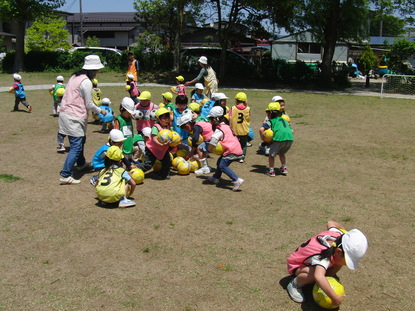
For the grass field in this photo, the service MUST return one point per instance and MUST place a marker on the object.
(189, 245)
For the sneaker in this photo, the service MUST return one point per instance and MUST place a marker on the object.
(126, 203)
(93, 180)
(266, 151)
(248, 144)
(203, 170)
(237, 184)
(61, 148)
(213, 180)
(69, 180)
(87, 166)
(241, 160)
(29, 108)
(270, 172)
(295, 293)
(283, 171)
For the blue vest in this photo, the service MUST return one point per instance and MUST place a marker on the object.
(183, 134)
(98, 163)
(206, 108)
(19, 92)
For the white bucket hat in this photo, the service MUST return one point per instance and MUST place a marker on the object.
(219, 96)
(277, 98)
(146, 131)
(354, 246)
(116, 136)
(128, 104)
(92, 62)
(59, 78)
(216, 112)
(203, 60)
(17, 77)
(199, 86)
(185, 118)
(106, 101)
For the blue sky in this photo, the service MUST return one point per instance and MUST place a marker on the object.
(72, 6)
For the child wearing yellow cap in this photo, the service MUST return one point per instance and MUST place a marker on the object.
(114, 182)
(180, 89)
(240, 121)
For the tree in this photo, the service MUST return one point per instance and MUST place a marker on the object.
(399, 53)
(386, 25)
(47, 34)
(367, 61)
(329, 21)
(21, 12)
(92, 41)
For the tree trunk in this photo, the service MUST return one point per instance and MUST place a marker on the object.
(178, 38)
(18, 65)
(367, 80)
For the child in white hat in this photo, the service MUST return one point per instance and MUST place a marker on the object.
(19, 93)
(197, 94)
(324, 255)
(52, 90)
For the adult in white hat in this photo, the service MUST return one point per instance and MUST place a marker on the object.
(73, 116)
(207, 75)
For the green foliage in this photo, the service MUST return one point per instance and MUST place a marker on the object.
(367, 60)
(392, 26)
(25, 10)
(9, 178)
(398, 56)
(47, 34)
(92, 41)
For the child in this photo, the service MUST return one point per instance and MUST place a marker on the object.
(198, 95)
(230, 144)
(156, 150)
(240, 115)
(19, 93)
(116, 138)
(52, 91)
(96, 97)
(145, 106)
(124, 123)
(181, 105)
(282, 139)
(197, 112)
(109, 117)
(132, 88)
(167, 98)
(220, 100)
(200, 127)
(180, 89)
(324, 255)
(114, 183)
(206, 105)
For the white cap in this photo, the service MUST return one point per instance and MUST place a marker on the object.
(199, 86)
(277, 98)
(146, 131)
(128, 104)
(116, 136)
(59, 78)
(354, 246)
(216, 112)
(17, 77)
(185, 118)
(219, 96)
(92, 62)
(203, 60)
(130, 76)
(106, 101)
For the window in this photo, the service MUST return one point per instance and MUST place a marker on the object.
(308, 48)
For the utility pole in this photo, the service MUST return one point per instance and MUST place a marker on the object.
(81, 25)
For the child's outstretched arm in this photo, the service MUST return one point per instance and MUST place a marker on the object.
(320, 276)
(333, 224)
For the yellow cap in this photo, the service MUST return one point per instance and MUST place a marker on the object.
(241, 97)
(168, 96)
(180, 78)
(273, 106)
(94, 81)
(145, 95)
(194, 107)
(114, 153)
(161, 111)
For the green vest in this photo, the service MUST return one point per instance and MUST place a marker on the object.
(126, 127)
(57, 86)
(282, 130)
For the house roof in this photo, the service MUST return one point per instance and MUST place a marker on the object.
(119, 29)
(387, 40)
(6, 34)
(104, 17)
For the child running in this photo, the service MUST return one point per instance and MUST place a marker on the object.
(232, 148)
(114, 183)
(281, 141)
(240, 115)
(180, 89)
(324, 255)
(19, 93)
(52, 90)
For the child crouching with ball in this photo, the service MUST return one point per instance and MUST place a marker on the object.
(114, 183)
(324, 255)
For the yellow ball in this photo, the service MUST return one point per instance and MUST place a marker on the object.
(164, 135)
(218, 149)
(182, 153)
(286, 118)
(161, 105)
(175, 139)
(194, 165)
(183, 168)
(268, 135)
(11, 90)
(321, 298)
(189, 140)
(176, 162)
(173, 88)
(138, 175)
(157, 166)
(127, 87)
